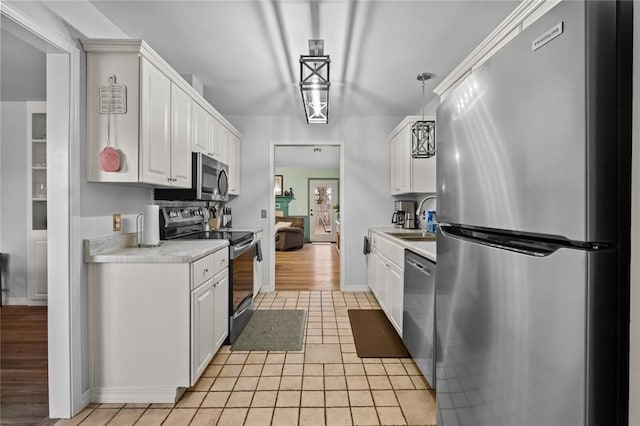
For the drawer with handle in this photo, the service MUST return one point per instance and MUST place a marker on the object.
(221, 260)
(202, 270)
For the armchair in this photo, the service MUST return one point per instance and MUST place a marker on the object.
(289, 233)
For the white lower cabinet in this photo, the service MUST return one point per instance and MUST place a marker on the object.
(209, 309)
(209, 321)
(154, 327)
(386, 278)
(202, 328)
(395, 294)
(38, 268)
(371, 272)
(220, 308)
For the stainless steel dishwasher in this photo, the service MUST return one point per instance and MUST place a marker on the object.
(418, 316)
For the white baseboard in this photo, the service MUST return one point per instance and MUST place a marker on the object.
(356, 289)
(141, 395)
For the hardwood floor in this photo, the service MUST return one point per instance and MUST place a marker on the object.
(24, 394)
(313, 267)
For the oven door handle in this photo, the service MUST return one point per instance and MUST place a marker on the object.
(241, 249)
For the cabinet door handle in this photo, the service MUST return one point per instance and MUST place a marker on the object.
(204, 271)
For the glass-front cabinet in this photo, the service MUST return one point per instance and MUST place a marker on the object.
(39, 170)
(37, 201)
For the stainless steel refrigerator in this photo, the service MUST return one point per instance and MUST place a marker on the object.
(532, 286)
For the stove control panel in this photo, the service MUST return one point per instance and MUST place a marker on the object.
(181, 216)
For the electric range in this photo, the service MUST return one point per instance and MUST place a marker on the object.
(188, 223)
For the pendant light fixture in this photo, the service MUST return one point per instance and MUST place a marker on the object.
(423, 132)
(314, 83)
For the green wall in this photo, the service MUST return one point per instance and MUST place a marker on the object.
(297, 178)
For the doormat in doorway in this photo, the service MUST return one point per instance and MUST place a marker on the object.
(272, 330)
(374, 335)
(321, 243)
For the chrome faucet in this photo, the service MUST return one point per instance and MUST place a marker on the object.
(421, 203)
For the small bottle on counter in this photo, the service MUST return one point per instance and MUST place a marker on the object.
(432, 225)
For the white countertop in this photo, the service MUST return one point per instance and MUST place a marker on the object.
(423, 248)
(122, 249)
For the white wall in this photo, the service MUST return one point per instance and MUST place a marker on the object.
(13, 187)
(430, 107)
(366, 201)
(634, 356)
(22, 70)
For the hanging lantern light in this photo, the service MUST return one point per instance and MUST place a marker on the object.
(423, 132)
(314, 83)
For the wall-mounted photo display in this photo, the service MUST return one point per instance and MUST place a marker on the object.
(278, 185)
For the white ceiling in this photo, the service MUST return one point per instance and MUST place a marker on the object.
(246, 52)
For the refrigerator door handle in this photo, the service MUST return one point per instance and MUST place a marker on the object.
(519, 242)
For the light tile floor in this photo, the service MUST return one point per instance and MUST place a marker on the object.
(324, 383)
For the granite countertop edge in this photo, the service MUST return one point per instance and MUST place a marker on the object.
(122, 249)
(426, 249)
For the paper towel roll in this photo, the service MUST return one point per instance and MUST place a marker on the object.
(151, 225)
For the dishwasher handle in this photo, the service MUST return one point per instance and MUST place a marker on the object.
(366, 246)
(425, 270)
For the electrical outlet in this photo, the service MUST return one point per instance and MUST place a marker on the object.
(263, 214)
(117, 222)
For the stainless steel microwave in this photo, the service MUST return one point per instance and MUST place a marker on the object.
(209, 182)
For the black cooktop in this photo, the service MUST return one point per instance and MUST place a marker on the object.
(234, 237)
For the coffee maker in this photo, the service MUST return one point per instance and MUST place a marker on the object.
(404, 215)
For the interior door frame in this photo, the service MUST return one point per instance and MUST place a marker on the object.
(272, 204)
(336, 182)
(66, 396)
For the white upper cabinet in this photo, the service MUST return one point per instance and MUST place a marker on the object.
(216, 137)
(180, 138)
(233, 160)
(200, 126)
(141, 107)
(400, 164)
(155, 124)
(409, 175)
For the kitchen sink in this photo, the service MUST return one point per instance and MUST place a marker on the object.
(413, 236)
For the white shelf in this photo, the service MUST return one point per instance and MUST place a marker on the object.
(39, 167)
(39, 199)
(39, 140)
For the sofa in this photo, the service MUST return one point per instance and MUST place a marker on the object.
(289, 233)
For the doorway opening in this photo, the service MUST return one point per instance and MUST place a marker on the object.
(23, 226)
(307, 194)
(62, 329)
